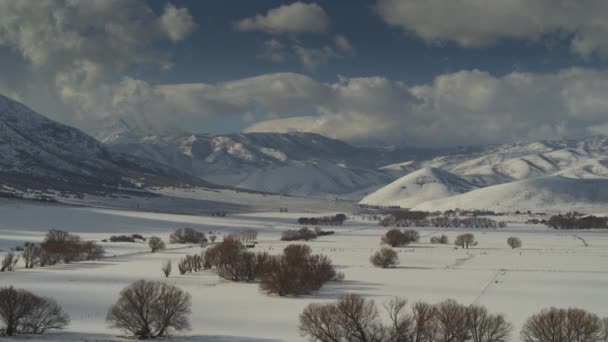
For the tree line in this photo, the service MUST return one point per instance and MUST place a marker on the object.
(355, 319)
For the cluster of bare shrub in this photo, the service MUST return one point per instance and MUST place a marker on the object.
(149, 309)
(187, 235)
(232, 261)
(399, 238)
(442, 240)
(355, 319)
(336, 220)
(574, 221)
(22, 312)
(60, 246)
(156, 244)
(190, 263)
(125, 238)
(305, 234)
(385, 258)
(297, 271)
(465, 240)
(9, 262)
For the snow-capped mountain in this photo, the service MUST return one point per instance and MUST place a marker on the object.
(505, 163)
(419, 186)
(550, 194)
(303, 164)
(524, 175)
(38, 153)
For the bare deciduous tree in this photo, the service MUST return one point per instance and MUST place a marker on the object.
(514, 242)
(22, 312)
(149, 309)
(563, 325)
(465, 240)
(486, 327)
(155, 243)
(385, 257)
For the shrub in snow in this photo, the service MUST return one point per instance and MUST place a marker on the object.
(60, 246)
(187, 235)
(166, 268)
(9, 262)
(300, 234)
(155, 243)
(22, 312)
(465, 240)
(385, 257)
(514, 242)
(297, 271)
(398, 238)
(148, 309)
(353, 318)
(566, 325)
(443, 239)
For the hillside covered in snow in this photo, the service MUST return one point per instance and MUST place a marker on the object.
(41, 154)
(419, 186)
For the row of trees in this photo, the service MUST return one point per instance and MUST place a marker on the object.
(304, 233)
(443, 222)
(336, 220)
(571, 221)
(60, 246)
(355, 319)
(294, 272)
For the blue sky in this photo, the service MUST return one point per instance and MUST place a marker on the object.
(427, 73)
(217, 52)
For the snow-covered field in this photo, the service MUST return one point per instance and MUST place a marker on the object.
(554, 268)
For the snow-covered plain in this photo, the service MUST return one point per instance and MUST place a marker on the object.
(554, 268)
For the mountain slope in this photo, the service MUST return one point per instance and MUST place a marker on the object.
(304, 164)
(552, 193)
(417, 187)
(38, 153)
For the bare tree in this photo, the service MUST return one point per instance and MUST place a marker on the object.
(562, 325)
(411, 236)
(9, 262)
(22, 312)
(486, 327)
(31, 255)
(155, 243)
(514, 242)
(452, 319)
(166, 268)
(212, 238)
(465, 240)
(425, 325)
(149, 309)
(385, 257)
(296, 272)
(394, 238)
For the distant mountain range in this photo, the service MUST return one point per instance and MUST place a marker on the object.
(43, 155)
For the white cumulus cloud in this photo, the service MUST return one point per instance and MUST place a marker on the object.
(298, 17)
